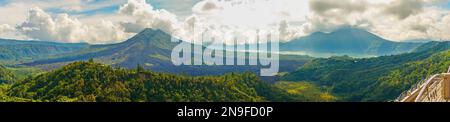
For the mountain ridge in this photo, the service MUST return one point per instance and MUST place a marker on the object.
(23, 50)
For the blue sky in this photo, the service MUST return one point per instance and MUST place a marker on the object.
(448, 5)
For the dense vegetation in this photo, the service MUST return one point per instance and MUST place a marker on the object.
(5, 98)
(374, 79)
(6, 76)
(304, 91)
(12, 74)
(401, 79)
(89, 81)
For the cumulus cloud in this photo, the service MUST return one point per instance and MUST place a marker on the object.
(431, 24)
(42, 26)
(287, 32)
(146, 17)
(9, 32)
(136, 8)
(206, 6)
(6, 28)
(404, 8)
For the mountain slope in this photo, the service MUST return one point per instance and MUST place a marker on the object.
(15, 50)
(348, 41)
(6, 75)
(358, 79)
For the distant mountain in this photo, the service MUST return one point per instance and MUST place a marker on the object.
(139, 49)
(347, 41)
(16, 50)
(148, 48)
(433, 46)
(152, 49)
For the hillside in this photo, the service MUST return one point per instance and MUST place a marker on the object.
(347, 41)
(5, 98)
(374, 79)
(17, 50)
(89, 81)
(401, 79)
(6, 75)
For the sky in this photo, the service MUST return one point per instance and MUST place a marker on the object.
(112, 21)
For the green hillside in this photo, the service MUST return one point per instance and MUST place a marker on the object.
(6, 75)
(12, 74)
(304, 91)
(20, 51)
(89, 81)
(401, 79)
(5, 98)
(374, 79)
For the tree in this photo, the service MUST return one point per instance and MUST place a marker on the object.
(139, 68)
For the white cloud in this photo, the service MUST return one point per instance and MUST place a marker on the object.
(251, 13)
(404, 8)
(431, 24)
(9, 32)
(42, 26)
(206, 6)
(144, 16)
(244, 16)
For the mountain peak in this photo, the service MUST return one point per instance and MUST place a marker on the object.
(154, 37)
(356, 32)
(350, 30)
(151, 31)
(349, 41)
